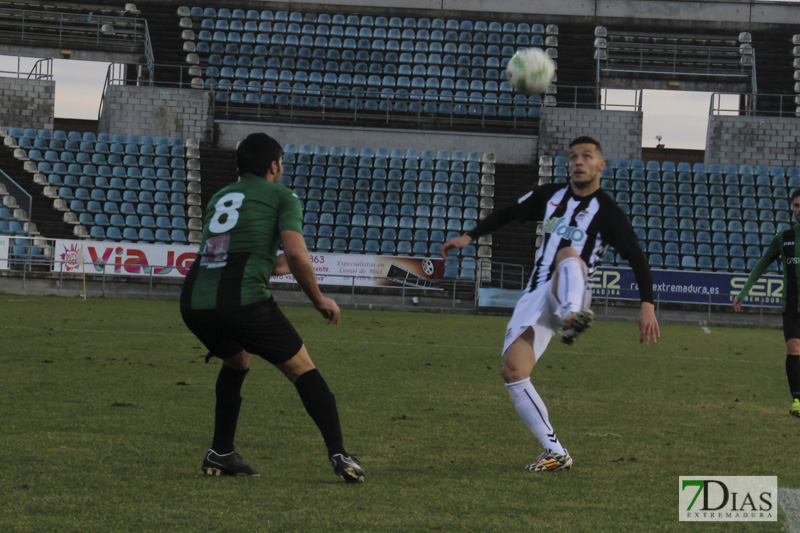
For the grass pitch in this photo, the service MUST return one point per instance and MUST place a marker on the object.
(107, 411)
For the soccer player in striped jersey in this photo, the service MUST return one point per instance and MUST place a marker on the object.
(227, 304)
(580, 222)
(785, 244)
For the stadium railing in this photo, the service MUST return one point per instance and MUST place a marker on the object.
(449, 295)
(721, 106)
(56, 29)
(573, 96)
(506, 112)
(38, 273)
(40, 70)
(172, 76)
(675, 59)
(17, 200)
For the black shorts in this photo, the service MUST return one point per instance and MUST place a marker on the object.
(791, 325)
(260, 328)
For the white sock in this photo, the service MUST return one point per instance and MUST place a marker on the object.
(533, 412)
(571, 286)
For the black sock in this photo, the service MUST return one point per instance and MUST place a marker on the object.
(226, 414)
(321, 406)
(793, 373)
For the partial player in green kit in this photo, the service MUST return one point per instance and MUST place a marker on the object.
(786, 247)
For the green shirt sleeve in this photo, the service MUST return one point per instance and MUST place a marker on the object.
(772, 253)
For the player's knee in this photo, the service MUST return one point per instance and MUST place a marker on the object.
(507, 374)
(567, 251)
(298, 365)
(793, 346)
(240, 361)
(513, 372)
(512, 375)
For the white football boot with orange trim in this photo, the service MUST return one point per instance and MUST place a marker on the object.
(551, 461)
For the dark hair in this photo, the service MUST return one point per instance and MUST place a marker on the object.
(256, 153)
(795, 194)
(585, 139)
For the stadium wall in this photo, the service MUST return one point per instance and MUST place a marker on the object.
(749, 140)
(27, 103)
(620, 132)
(157, 111)
(510, 149)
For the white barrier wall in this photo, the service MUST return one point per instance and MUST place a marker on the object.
(508, 148)
(165, 261)
(123, 259)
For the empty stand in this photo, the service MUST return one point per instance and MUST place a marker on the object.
(703, 217)
(634, 53)
(416, 67)
(91, 178)
(71, 25)
(381, 201)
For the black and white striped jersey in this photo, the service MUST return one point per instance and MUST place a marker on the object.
(589, 224)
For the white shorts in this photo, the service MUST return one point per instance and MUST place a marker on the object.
(537, 310)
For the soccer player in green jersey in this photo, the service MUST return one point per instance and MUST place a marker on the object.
(785, 244)
(227, 304)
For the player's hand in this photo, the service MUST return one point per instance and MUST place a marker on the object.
(456, 242)
(328, 309)
(648, 324)
(737, 305)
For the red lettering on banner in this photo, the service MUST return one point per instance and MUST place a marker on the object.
(185, 261)
(98, 262)
(166, 269)
(137, 262)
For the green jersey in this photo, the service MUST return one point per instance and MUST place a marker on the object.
(241, 235)
(786, 244)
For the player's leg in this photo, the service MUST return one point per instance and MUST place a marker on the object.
(791, 334)
(316, 397)
(210, 329)
(569, 286)
(222, 458)
(268, 333)
(793, 373)
(518, 362)
(320, 404)
(229, 400)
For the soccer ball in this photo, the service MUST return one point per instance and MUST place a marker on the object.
(530, 71)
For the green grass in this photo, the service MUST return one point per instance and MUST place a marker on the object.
(107, 410)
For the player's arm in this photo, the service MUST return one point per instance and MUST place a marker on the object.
(772, 253)
(497, 219)
(624, 240)
(648, 323)
(524, 209)
(299, 263)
